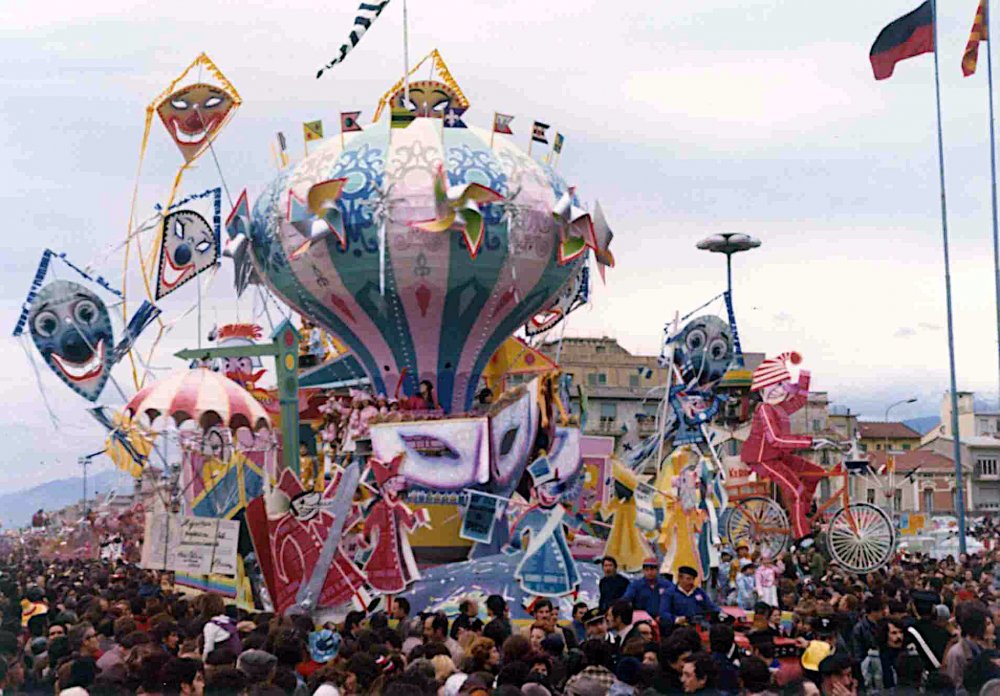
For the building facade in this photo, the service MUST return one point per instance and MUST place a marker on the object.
(924, 482)
(892, 436)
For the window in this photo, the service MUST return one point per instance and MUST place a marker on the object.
(824, 457)
(870, 495)
(600, 349)
(597, 378)
(732, 447)
(928, 501)
(633, 380)
(649, 409)
(609, 410)
(897, 499)
(878, 447)
(906, 446)
(987, 467)
(816, 427)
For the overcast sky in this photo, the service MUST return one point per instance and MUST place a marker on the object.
(684, 119)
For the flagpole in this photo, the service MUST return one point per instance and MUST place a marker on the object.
(406, 59)
(956, 435)
(993, 184)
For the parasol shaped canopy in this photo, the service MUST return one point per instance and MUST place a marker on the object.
(202, 395)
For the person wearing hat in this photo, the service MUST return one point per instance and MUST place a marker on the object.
(595, 621)
(685, 602)
(648, 593)
(769, 447)
(925, 635)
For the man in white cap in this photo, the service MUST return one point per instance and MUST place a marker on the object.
(769, 447)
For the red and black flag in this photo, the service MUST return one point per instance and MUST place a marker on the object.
(908, 36)
(978, 33)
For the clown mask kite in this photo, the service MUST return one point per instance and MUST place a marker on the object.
(194, 115)
(190, 246)
(71, 328)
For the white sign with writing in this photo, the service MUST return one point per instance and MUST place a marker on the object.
(195, 545)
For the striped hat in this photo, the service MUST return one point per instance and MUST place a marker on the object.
(774, 371)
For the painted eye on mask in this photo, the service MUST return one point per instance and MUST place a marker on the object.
(179, 104)
(718, 348)
(46, 324)
(203, 246)
(508, 439)
(212, 102)
(695, 339)
(85, 312)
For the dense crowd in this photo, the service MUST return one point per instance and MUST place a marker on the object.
(918, 626)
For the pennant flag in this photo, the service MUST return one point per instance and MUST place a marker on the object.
(978, 33)
(557, 143)
(401, 117)
(453, 117)
(501, 124)
(908, 36)
(367, 13)
(538, 132)
(282, 143)
(349, 121)
(312, 130)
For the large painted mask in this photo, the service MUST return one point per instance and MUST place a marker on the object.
(193, 116)
(190, 246)
(71, 328)
(429, 98)
(704, 351)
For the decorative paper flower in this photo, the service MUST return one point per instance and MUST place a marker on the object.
(457, 207)
(576, 229)
(319, 216)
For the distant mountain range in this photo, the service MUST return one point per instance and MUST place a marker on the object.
(16, 508)
(923, 424)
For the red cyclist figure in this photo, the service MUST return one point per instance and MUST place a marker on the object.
(769, 448)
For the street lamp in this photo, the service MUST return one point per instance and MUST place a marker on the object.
(892, 470)
(729, 243)
(911, 400)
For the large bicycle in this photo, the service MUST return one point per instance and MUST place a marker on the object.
(859, 536)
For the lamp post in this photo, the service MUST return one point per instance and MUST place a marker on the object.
(729, 243)
(885, 446)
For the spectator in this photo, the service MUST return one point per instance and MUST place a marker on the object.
(698, 674)
(649, 592)
(613, 585)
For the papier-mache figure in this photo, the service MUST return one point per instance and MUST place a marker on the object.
(769, 447)
(547, 568)
(298, 526)
(388, 522)
(625, 541)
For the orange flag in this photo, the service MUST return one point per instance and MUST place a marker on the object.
(978, 33)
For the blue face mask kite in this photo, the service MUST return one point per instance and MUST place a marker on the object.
(71, 328)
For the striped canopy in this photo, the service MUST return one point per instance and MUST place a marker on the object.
(203, 395)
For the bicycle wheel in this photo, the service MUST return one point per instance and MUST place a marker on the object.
(861, 538)
(760, 523)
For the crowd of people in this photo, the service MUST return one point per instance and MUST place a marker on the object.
(918, 626)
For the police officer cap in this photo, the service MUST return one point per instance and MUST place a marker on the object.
(687, 570)
(925, 597)
(593, 616)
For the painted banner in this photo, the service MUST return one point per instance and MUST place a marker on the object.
(197, 545)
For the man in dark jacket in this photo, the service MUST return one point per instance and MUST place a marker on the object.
(613, 585)
(925, 635)
(649, 592)
(721, 641)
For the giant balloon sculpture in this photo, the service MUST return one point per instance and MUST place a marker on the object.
(413, 304)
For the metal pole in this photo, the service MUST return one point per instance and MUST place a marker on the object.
(729, 275)
(406, 59)
(993, 188)
(956, 439)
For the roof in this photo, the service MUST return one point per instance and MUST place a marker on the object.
(972, 441)
(930, 462)
(882, 429)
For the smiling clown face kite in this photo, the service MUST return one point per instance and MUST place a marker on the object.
(71, 328)
(190, 246)
(193, 116)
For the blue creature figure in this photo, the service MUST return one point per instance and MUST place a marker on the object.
(71, 328)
